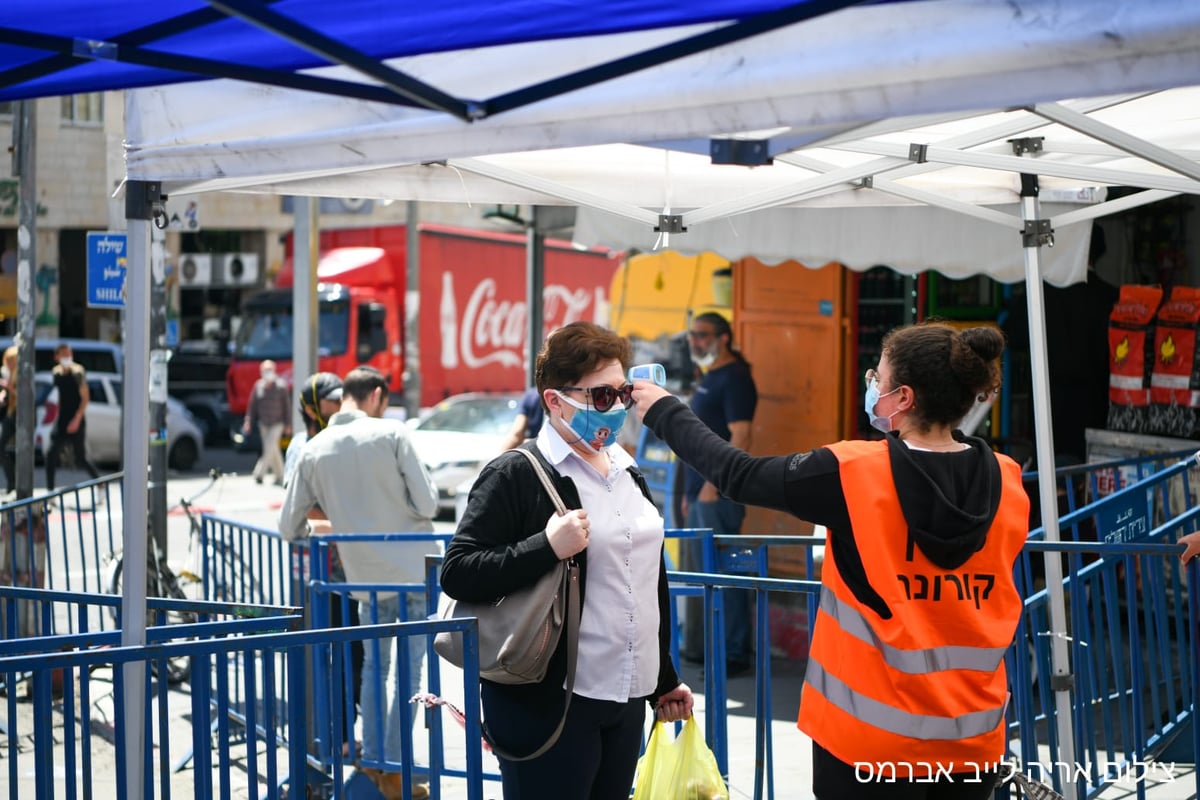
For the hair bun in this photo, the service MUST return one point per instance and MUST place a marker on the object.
(986, 342)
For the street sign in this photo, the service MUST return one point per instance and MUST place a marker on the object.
(106, 255)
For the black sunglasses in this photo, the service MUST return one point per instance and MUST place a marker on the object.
(602, 398)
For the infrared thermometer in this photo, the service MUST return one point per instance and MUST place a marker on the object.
(648, 372)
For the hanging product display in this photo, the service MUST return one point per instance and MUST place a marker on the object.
(1175, 373)
(1130, 356)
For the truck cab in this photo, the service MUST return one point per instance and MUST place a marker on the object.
(360, 322)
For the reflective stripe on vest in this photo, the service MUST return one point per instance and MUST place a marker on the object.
(894, 720)
(912, 662)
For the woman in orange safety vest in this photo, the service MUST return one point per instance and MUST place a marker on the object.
(905, 690)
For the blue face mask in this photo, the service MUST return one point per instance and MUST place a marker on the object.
(595, 429)
(879, 423)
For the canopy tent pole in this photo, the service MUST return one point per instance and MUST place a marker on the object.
(306, 253)
(306, 240)
(1036, 233)
(143, 202)
(25, 169)
(412, 308)
(535, 283)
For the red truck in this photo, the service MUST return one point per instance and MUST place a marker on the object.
(472, 298)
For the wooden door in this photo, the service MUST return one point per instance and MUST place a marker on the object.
(791, 325)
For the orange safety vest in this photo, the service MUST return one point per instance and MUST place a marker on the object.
(928, 686)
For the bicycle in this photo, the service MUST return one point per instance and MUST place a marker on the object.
(228, 577)
(162, 581)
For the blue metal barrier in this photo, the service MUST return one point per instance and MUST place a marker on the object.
(240, 563)
(249, 563)
(331, 666)
(703, 538)
(62, 540)
(59, 667)
(1082, 484)
(1132, 622)
(1128, 598)
(253, 642)
(715, 722)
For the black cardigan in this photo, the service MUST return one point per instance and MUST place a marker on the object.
(501, 545)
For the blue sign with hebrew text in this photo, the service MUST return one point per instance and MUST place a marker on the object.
(106, 255)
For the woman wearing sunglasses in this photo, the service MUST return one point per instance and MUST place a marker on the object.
(918, 605)
(510, 536)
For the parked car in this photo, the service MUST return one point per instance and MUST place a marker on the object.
(185, 438)
(93, 355)
(459, 436)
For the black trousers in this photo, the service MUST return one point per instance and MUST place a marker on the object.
(77, 441)
(834, 779)
(354, 668)
(594, 759)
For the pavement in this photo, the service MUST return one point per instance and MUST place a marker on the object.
(237, 496)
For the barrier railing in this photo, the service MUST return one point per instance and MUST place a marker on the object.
(1082, 484)
(1142, 602)
(715, 681)
(333, 708)
(250, 563)
(1134, 694)
(63, 540)
(64, 692)
(62, 742)
(1133, 676)
(708, 587)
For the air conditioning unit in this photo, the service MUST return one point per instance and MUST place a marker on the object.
(237, 269)
(195, 269)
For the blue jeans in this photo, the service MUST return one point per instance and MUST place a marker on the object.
(725, 518)
(377, 666)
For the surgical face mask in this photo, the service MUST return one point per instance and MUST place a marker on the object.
(871, 398)
(705, 358)
(595, 429)
(66, 361)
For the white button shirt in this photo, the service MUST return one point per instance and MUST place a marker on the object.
(618, 631)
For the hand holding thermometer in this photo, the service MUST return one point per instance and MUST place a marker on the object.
(648, 372)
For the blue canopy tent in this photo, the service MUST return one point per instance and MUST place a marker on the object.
(65, 47)
(69, 47)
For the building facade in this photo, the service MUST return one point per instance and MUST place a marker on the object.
(220, 246)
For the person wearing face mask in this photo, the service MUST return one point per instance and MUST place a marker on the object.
(70, 426)
(268, 408)
(725, 400)
(511, 535)
(918, 603)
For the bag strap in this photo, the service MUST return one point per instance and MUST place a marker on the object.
(571, 585)
(551, 490)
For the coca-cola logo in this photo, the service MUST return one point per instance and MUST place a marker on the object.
(492, 330)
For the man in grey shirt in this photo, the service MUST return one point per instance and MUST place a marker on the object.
(365, 475)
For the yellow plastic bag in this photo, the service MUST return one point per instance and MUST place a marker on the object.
(679, 769)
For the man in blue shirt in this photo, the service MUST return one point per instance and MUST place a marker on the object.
(528, 421)
(724, 400)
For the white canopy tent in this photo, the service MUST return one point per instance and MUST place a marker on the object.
(836, 76)
(837, 113)
(889, 127)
